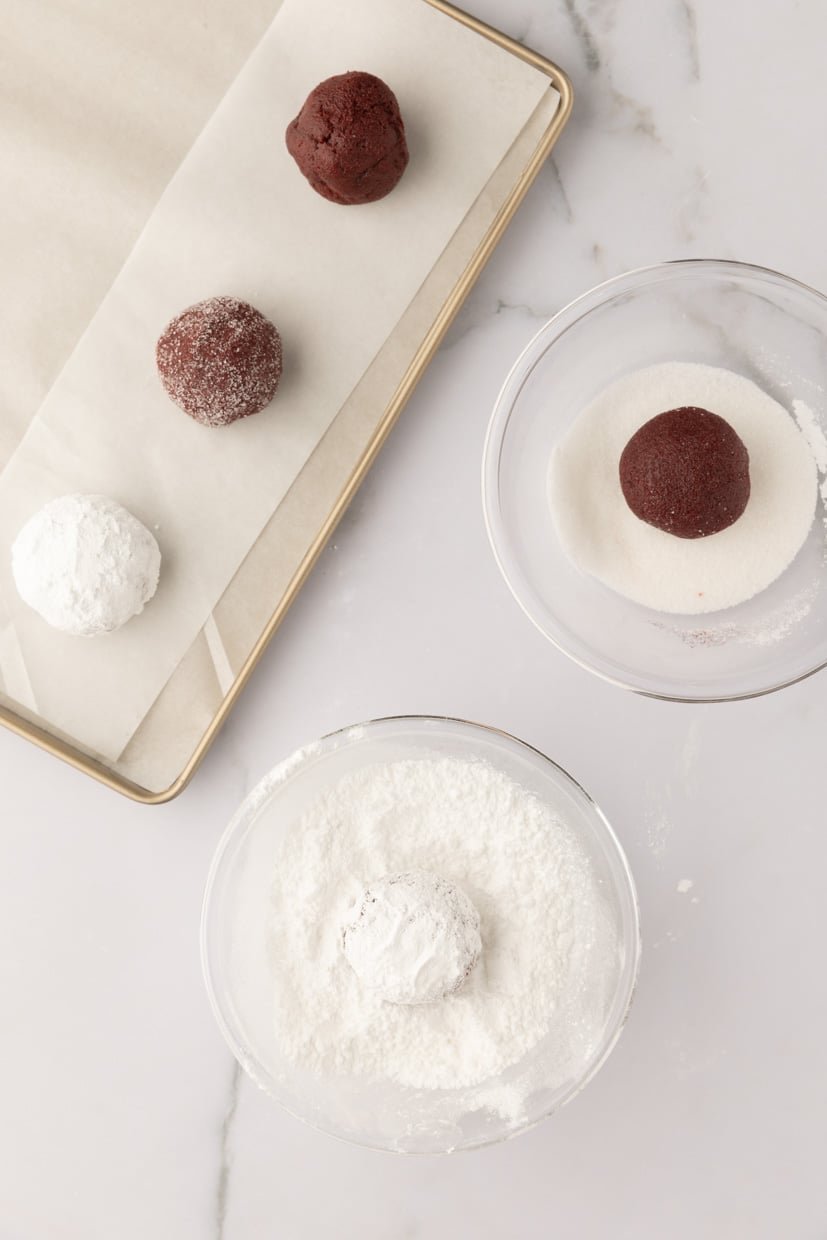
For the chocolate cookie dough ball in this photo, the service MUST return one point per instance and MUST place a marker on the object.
(349, 139)
(686, 471)
(220, 360)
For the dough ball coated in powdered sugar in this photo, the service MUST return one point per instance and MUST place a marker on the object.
(413, 937)
(85, 564)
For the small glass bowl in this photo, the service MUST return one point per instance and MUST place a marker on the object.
(383, 1115)
(763, 325)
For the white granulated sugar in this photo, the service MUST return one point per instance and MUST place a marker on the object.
(602, 536)
(85, 564)
(684, 885)
(550, 947)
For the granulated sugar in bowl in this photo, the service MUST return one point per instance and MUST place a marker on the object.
(700, 619)
(420, 935)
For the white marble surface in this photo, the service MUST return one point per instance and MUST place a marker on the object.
(697, 131)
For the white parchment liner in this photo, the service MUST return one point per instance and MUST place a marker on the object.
(336, 291)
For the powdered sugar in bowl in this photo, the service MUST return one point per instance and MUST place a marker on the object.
(737, 614)
(498, 934)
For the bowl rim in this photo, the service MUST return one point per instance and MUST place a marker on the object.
(563, 319)
(244, 818)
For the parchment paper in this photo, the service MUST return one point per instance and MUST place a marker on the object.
(239, 218)
(166, 739)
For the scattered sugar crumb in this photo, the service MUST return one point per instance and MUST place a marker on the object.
(657, 832)
(770, 629)
(810, 427)
(685, 884)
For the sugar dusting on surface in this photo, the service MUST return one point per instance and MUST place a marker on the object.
(813, 432)
(770, 629)
(810, 428)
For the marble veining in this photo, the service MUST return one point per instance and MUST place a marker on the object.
(693, 49)
(123, 1115)
(225, 1159)
(561, 197)
(584, 36)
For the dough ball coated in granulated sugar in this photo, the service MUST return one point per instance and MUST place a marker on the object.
(413, 937)
(220, 360)
(349, 139)
(686, 471)
(85, 564)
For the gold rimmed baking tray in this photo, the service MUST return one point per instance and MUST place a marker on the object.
(174, 739)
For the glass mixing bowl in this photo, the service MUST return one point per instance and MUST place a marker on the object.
(761, 324)
(382, 1114)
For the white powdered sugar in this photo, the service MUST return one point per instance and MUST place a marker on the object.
(85, 564)
(602, 536)
(550, 946)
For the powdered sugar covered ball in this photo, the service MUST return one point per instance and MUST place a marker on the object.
(85, 564)
(413, 937)
(220, 360)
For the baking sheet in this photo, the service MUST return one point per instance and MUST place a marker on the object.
(169, 736)
(341, 287)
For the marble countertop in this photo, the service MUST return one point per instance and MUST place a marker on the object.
(696, 132)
